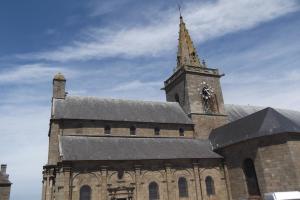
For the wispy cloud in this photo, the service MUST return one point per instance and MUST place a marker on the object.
(263, 77)
(30, 73)
(103, 7)
(206, 21)
(135, 85)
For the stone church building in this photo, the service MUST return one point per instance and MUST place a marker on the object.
(191, 147)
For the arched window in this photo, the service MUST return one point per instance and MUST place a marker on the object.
(156, 131)
(177, 98)
(107, 130)
(132, 130)
(120, 174)
(251, 178)
(183, 187)
(181, 132)
(85, 192)
(153, 191)
(210, 186)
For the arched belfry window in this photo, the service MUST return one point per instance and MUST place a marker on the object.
(153, 191)
(251, 178)
(210, 186)
(85, 192)
(183, 187)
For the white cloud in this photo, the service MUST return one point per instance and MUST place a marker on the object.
(265, 87)
(206, 21)
(262, 94)
(263, 77)
(100, 7)
(31, 73)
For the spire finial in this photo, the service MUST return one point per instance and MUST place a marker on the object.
(179, 9)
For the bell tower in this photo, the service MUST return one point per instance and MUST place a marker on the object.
(196, 87)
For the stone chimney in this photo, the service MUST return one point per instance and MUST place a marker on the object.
(59, 86)
(3, 168)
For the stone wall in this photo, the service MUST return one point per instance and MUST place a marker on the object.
(4, 192)
(97, 128)
(273, 164)
(294, 146)
(195, 83)
(53, 149)
(204, 124)
(188, 84)
(178, 87)
(133, 178)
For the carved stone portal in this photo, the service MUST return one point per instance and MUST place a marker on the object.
(121, 193)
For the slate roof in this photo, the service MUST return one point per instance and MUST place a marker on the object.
(74, 148)
(258, 124)
(92, 108)
(236, 112)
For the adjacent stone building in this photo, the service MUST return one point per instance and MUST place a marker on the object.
(5, 184)
(192, 147)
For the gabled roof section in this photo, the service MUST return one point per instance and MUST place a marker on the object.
(262, 123)
(92, 108)
(77, 148)
(187, 53)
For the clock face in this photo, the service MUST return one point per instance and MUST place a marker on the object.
(207, 94)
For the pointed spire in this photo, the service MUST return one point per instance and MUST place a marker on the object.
(187, 54)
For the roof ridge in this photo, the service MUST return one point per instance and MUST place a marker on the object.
(266, 111)
(133, 137)
(125, 100)
(263, 107)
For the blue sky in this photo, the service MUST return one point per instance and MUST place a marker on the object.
(126, 49)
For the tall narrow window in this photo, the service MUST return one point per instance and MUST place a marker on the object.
(177, 98)
(85, 192)
(251, 178)
(181, 132)
(153, 191)
(107, 130)
(132, 130)
(183, 187)
(210, 186)
(156, 131)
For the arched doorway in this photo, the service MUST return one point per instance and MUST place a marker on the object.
(251, 178)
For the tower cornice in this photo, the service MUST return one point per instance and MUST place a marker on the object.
(212, 72)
